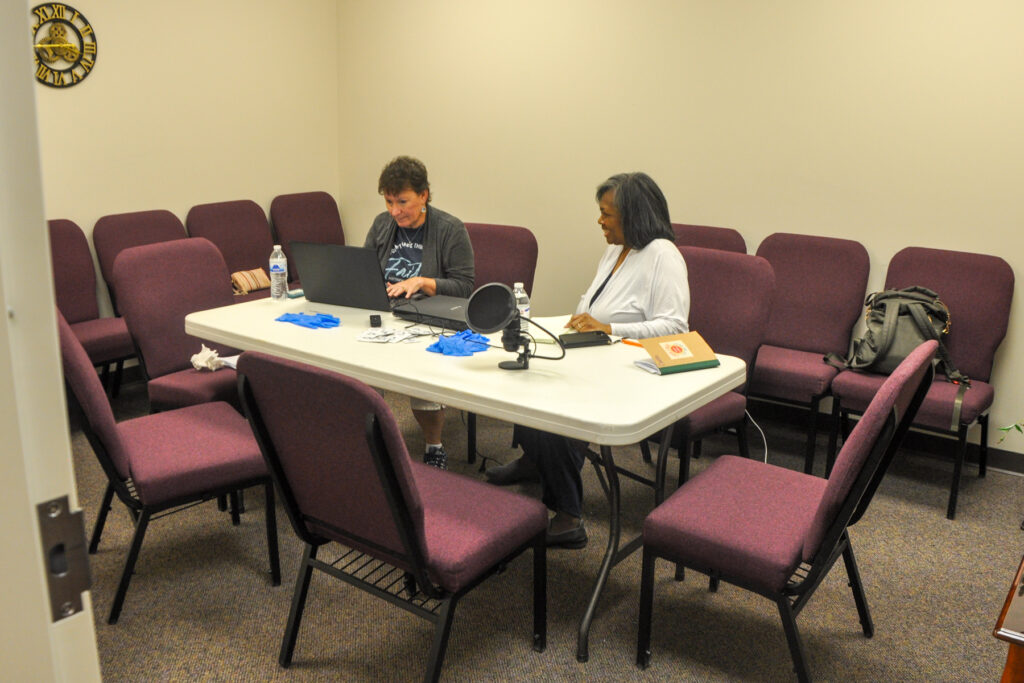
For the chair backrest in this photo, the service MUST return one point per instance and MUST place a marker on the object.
(239, 229)
(74, 275)
(503, 253)
(731, 299)
(312, 426)
(820, 286)
(81, 378)
(709, 237)
(162, 283)
(305, 217)
(866, 453)
(117, 232)
(977, 288)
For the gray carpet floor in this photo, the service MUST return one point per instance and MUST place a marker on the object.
(201, 606)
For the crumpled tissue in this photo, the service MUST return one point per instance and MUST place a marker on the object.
(207, 359)
(310, 320)
(464, 343)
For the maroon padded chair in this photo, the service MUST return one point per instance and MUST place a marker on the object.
(158, 463)
(820, 285)
(777, 532)
(978, 289)
(239, 229)
(730, 300)
(709, 237)
(117, 232)
(305, 217)
(505, 254)
(160, 284)
(106, 340)
(416, 536)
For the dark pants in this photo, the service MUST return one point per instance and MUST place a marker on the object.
(558, 460)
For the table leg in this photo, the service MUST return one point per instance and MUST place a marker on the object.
(582, 648)
(612, 554)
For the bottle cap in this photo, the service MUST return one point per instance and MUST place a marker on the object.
(276, 246)
(517, 284)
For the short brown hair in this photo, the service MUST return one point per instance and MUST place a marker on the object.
(404, 173)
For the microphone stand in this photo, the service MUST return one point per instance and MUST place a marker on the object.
(512, 338)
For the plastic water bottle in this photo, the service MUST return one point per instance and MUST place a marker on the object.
(522, 303)
(278, 275)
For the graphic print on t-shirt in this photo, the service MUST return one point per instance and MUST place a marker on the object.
(406, 257)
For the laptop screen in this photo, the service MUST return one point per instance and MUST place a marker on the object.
(341, 275)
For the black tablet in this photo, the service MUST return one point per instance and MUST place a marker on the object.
(574, 339)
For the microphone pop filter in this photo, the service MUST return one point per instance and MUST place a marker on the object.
(491, 308)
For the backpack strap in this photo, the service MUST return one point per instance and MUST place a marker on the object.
(953, 375)
(888, 333)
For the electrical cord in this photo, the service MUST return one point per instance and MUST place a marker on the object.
(764, 439)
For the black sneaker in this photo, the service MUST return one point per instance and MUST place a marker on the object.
(436, 457)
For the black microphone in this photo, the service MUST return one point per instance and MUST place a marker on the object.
(511, 337)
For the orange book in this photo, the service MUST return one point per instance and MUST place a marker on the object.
(677, 353)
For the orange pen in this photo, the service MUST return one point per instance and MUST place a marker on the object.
(631, 342)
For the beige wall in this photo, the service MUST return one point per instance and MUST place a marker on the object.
(194, 102)
(893, 123)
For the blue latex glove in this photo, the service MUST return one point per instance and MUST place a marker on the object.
(310, 320)
(464, 343)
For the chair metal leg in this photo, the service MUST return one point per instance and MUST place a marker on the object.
(812, 435)
(291, 631)
(741, 438)
(684, 474)
(105, 377)
(796, 646)
(101, 519)
(643, 636)
(857, 586)
(222, 503)
(983, 446)
(471, 438)
(235, 519)
(685, 453)
(712, 584)
(272, 550)
(540, 594)
(833, 435)
(129, 566)
(958, 465)
(441, 633)
(844, 429)
(115, 388)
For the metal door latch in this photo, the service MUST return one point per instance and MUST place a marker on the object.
(64, 556)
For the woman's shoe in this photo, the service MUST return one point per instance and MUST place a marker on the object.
(574, 538)
(520, 469)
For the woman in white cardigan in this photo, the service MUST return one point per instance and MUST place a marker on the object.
(640, 290)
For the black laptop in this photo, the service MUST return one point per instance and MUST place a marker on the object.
(446, 312)
(341, 275)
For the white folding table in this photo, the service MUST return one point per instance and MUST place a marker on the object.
(595, 394)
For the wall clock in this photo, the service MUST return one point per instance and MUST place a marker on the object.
(64, 44)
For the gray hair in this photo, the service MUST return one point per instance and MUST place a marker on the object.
(642, 208)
